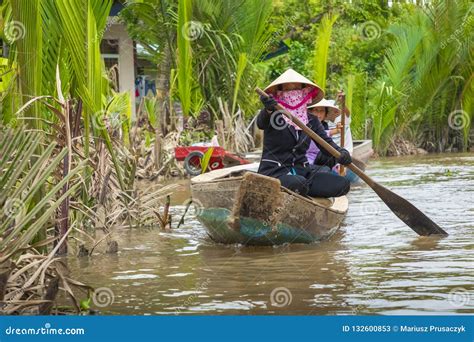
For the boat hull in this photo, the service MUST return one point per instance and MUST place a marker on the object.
(363, 150)
(251, 231)
(255, 210)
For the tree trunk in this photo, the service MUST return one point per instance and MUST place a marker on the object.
(220, 133)
(163, 89)
(157, 146)
(62, 224)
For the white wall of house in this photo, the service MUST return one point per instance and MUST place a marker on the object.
(125, 58)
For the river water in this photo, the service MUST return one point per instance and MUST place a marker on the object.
(373, 265)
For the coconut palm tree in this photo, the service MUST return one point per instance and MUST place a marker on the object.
(427, 84)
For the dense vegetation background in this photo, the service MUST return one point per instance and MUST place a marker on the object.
(407, 68)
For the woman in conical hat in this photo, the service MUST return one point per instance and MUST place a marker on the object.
(324, 110)
(294, 92)
(285, 144)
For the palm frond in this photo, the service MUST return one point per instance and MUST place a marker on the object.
(321, 50)
(23, 175)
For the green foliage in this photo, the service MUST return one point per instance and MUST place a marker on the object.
(213, 44)
(63, 36)
(241, 66)
(188, 137)
(234, 38)
(119, 110)
(406, 68)
(85, 304)
(151, 109)
(357, 102)
(188, 91)
(297, 58)
(206, 158)
(57, 86)
(152, 23)
(321, 49)
(426, 68)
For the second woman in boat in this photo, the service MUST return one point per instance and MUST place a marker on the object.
(285, 144)
(324, 110)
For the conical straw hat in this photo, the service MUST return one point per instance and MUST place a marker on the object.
(291, 76)
(333, 110)
(326, 104)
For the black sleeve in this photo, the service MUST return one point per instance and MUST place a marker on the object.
(263, 119)
(318, 128)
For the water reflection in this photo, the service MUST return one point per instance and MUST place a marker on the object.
(374, 265)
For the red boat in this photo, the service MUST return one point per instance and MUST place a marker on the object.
(192, 156)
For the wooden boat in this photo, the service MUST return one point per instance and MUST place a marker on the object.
(362, 151)
(238, 205)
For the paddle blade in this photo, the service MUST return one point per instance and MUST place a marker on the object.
(408, 213)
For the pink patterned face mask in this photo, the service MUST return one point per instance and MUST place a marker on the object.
(295, 101)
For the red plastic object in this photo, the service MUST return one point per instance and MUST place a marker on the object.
(181, 152)
(219, 159)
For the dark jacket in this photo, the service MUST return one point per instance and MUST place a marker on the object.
(284, 147)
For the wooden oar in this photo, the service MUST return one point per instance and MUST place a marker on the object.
(342, 170)
(405, 211)
(359, 163)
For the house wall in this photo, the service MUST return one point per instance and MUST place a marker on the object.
(126, 66)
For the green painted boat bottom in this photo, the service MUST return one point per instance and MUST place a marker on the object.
(251, 232)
